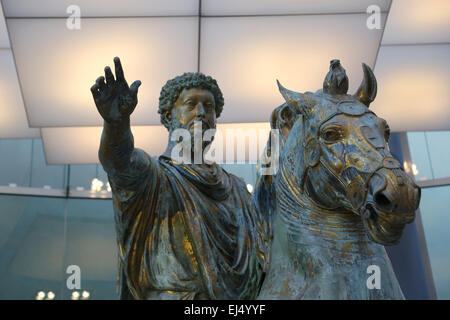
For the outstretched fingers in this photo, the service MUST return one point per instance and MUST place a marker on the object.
(109, 76)
(100, 82)
(97, 88)
(95, 91)
(119, 71)
(134, 88)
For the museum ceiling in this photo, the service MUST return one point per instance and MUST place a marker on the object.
(48, 62)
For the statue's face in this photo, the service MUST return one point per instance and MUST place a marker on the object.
(194, 105)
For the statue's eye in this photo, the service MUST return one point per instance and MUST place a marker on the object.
(332, 135)
(190, 104)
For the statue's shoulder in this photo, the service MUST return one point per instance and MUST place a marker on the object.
(142, 162)
(140, 159)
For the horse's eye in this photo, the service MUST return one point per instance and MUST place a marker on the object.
(331, 135)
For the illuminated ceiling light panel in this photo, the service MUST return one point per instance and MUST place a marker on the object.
(413, 90)
(13, 120)
(57, 66)
(418, 21)
(252, 7)
(100, 8)
(247, 54)
(79, 145)
(4, 39)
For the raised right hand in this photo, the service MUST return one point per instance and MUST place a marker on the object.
(115, 101)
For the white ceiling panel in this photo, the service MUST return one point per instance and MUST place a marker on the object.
(261, 7)
(418, 21)
(413, 87)
(100, 8)
(13, 120)
(4, 39)
(57, 66)
(247, 54)
(79, 145)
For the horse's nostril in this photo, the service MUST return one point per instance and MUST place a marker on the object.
(383, 202)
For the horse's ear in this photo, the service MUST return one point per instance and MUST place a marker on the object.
(367, 91)
(296, 100)
(283, 118)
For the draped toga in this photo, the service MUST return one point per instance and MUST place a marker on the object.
(186, 232)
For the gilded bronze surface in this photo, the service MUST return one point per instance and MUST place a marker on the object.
(338, 195)
(184, 231)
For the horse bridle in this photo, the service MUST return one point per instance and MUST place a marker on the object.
(356, 191)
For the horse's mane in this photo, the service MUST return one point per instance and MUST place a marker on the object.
(264, 196)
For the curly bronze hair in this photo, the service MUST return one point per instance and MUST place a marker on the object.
(188, 80)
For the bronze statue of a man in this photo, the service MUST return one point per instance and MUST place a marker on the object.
(185, 231)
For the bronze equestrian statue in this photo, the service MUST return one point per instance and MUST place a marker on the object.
(184, 231)
(337, 197)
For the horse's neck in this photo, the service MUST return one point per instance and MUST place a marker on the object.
(321, 254)
(309, 224)
(338, 239)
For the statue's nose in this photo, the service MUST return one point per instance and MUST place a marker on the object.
(200, 110)
(383, 201)
(379, 190)
(394, 192)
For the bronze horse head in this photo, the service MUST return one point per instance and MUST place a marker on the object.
(346, 164)
(337, 194)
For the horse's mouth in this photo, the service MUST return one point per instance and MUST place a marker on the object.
(385, 228)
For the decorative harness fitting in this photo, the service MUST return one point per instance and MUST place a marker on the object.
(356, 191)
